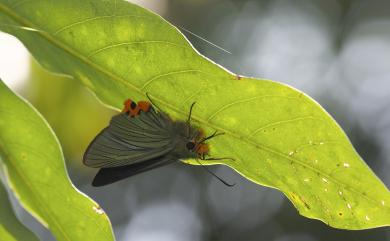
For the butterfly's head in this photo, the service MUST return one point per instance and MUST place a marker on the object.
(199, 148)
(197, 145)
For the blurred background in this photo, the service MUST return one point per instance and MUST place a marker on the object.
(337, 51)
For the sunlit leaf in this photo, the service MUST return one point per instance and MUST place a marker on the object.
(35, 168)
(10, 227)
(278, 136)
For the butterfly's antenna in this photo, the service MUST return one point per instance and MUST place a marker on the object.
(207, 41)
(189, 118)
(215, 134)
(215, 175)
(189, 115)
(151, 101)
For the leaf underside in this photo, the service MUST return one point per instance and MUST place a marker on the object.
(278, 136)
(10, 227)
(34, 164)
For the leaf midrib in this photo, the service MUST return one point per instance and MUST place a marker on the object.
(26, 23)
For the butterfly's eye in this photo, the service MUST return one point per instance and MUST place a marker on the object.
(190, 145)
(133, 105)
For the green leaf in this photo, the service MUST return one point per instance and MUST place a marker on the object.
(278, 136)
(36, 172)
(10, 227)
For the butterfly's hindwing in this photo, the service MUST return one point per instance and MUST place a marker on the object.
(113, 174)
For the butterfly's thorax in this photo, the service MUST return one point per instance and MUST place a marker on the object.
(180, 136)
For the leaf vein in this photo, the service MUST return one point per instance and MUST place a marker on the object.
(246, 101)
(257, 130)
(97, 18)
(18, 4)
(134, 42)
(148, 82)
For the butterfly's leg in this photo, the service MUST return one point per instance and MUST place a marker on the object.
(214, 175)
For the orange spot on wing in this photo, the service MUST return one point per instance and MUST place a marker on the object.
(135, 109)
(127, 105)
(144, 106)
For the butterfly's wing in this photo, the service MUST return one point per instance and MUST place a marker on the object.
(110, 175)
(131, 140)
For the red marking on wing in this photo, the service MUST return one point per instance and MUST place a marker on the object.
(144, 106)
(127, 105)
(134, 110)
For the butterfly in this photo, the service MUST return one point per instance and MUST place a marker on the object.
(140, 139)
